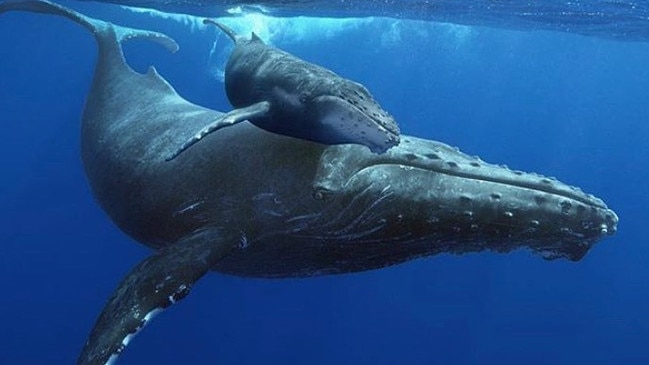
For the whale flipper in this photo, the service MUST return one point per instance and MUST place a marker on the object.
(235, 116)
(153, 285)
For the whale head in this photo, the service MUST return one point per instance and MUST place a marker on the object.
(424, 197)
(348, 113)
(421, 198)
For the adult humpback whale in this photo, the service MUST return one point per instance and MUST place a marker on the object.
(281, 93)
(307, 209)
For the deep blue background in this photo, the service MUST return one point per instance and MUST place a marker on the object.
(559, 104)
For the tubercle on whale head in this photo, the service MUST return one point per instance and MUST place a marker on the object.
(360, 97)
(348, 111)
(343, 122)
(428, 191)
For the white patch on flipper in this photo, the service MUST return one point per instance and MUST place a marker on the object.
(112, 359)
(127, 339)
(171, 298)
(149, 316)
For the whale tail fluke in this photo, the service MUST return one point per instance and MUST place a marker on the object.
(100, 29)
(46, 7)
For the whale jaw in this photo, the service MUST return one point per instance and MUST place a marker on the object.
(347, 123)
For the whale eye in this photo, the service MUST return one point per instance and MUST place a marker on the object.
(321, 193)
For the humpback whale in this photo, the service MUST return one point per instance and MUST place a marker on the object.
(257, 204)
(281, 93)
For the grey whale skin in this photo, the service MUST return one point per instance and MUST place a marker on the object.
(281, 93)
(252, 203)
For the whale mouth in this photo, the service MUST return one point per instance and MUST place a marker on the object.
(352, 122)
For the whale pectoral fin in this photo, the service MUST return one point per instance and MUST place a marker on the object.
(233, 117)
(153, 285)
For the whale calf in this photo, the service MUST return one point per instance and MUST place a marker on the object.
(306, 209)
(283, 94)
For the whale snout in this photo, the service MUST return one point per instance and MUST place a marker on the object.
(352, 122)
(437, 194)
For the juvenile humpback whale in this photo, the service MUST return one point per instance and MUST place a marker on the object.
(308, 209)
(283, 94)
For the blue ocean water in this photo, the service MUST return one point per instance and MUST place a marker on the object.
(556, 103)
(618, 19)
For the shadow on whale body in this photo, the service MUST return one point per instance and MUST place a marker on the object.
(253, 203)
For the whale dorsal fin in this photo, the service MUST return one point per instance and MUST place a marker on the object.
(255, 38)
